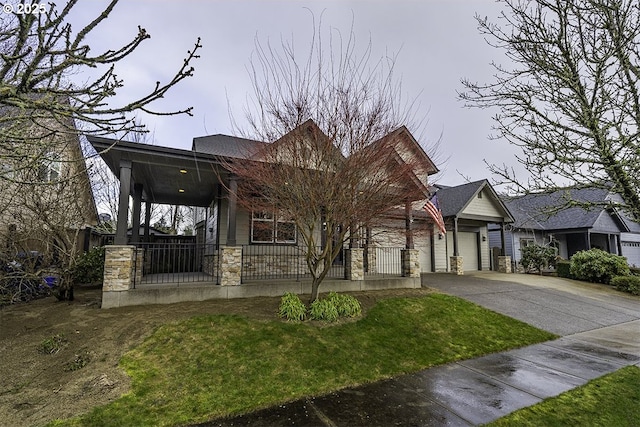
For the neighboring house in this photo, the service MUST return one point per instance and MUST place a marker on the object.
(45, 193)
(539, 219)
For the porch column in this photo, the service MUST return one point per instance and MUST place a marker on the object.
(137, 205)
(231, 266)
(232, 211)
(456, 260)
(123, 204)
(503, 250)
(370, 254)
(619, 244)
(410, 262)
(354, 265)
(587, 237)
(455, 237)
(408, 228)
(147, 220)
(119, 271)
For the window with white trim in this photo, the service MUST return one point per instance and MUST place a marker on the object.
(268, 227)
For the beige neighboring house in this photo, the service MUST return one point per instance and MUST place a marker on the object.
(46, 201)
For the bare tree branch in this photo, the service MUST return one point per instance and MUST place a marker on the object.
(571, 100)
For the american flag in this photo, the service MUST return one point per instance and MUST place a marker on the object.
(436, 214)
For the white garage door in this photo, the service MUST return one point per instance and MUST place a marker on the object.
(468, 247)
(631, 250)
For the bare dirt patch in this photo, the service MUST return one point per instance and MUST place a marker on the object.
(38, 386)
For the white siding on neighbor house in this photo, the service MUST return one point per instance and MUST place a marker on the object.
(485, 205)
(485, 250)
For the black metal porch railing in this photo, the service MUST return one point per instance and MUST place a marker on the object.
(382, 262)
(176, 263)
(261, 262)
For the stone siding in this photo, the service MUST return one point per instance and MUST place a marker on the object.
(410, 262)
(354, 268)
(118, 268)
(231, 266)
(457, 265)
(504, 264)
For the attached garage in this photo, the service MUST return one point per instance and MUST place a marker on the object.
(467, 210)
(468, 248)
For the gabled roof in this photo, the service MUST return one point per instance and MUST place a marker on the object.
(453, 201)
(226, 146)
(532, 211)
(412, 143)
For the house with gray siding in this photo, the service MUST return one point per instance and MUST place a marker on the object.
(541, 219)
(233, 245)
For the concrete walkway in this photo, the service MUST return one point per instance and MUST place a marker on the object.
(600, 331)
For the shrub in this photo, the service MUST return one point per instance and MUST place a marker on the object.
(563, 268)
(346, 305)
(635, 271)
(596, 265)
(89, 267)
(292, 308)
(52, 344)
(537, 257)
(324, 309)
(630, 284)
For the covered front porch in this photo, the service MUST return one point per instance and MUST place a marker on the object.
(219, 264)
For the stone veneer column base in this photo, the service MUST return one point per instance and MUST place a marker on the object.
(354, 265)
(231, 266)
(410, 259)
(504, 264)
(457, 265)
(118, 268)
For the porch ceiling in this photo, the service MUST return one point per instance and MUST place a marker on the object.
(168, 175)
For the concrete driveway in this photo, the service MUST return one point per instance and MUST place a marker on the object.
(557, 305)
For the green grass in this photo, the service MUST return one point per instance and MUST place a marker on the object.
(609, 401)
(212, 366)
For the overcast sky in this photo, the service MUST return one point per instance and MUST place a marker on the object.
(437, 42)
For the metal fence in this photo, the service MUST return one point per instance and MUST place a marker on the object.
(176, 263)
(383, 262)
(260, 262)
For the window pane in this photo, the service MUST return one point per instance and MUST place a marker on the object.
(286, 232)
(263, 215)
(261, 228)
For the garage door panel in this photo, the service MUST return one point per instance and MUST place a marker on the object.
(631, 250)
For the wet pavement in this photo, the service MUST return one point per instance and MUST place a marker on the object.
(601, 335)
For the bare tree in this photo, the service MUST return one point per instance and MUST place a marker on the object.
(338, 157)
(570, 96)
(39, 54)
(43, 177)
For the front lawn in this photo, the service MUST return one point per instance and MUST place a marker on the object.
(213, 366)
(610, 401)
